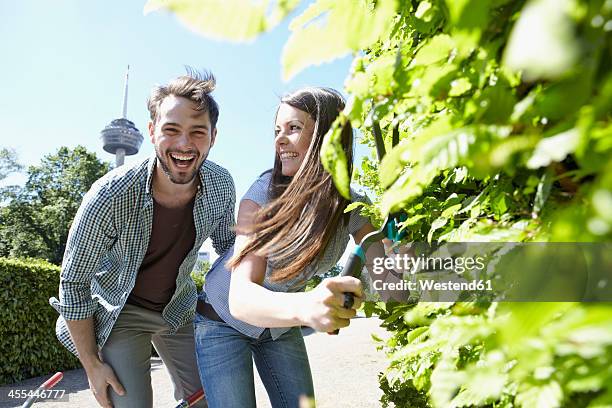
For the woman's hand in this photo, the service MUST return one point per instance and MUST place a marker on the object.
(323, 310)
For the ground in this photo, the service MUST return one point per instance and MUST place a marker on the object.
(344, 368)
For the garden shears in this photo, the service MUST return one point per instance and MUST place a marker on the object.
(389, 228)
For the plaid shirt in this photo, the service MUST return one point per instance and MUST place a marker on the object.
(110, 236)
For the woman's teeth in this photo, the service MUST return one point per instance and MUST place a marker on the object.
(288, 155)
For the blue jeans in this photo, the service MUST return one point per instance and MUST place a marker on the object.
(225, 360)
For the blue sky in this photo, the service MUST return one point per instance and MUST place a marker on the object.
(63, 66)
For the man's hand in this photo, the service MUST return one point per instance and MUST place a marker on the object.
(323, 310)
(100, 375)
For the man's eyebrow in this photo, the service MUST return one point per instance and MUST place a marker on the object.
(205, 127)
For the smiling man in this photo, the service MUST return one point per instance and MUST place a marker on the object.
(125, 280)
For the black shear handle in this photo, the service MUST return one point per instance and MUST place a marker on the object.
(353, 267)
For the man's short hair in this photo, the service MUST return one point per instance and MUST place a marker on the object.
(195, 86)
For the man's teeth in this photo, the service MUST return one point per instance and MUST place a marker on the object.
(288, 155)
(181, 157)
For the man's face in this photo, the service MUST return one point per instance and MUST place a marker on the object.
(182, 137)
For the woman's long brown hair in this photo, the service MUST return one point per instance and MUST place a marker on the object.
(305, 210)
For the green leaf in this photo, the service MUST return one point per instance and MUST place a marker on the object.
(413, 220)
(445, 382)
(468, 19)
(437, 49)
(461, 11)
(382, 71)
(417, 335)
(436, 225)
(459, 87)
(499, 205)
(542, 192)
(562, 99)
(523, 321)
(331, 29)
(602, 401)
(392, 165)
(422, 9)
(451, 211)
(548, 395)
(554, 148)
(483, 383)
(234, 20)
(496, 104)
(353, 205)
(542, 43)
(333, 157)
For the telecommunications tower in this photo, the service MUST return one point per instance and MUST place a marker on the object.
(120, 137)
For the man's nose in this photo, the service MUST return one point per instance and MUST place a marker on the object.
(183, 139)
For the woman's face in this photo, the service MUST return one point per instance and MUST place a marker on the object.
(293, 133)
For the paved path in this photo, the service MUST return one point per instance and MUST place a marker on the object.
(345, 371)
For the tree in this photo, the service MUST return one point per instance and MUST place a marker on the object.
(503, 111)
(8, 163)
(37, 217)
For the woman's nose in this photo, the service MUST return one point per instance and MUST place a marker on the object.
(281, 138)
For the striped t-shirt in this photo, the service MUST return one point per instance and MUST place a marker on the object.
(216, 287)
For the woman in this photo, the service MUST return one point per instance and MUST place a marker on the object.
(291, 225)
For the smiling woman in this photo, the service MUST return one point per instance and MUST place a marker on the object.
(291, 226)
(293, 133)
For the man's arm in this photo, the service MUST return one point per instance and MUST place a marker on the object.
(91, 235)
(223, 236)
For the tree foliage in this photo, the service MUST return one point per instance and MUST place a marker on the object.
(8, 163)
(503, 110)
(35, 219)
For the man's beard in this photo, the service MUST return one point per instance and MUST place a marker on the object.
(166, 169)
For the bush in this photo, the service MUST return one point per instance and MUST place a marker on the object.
(198, 274)
(28, 345)
(503, 355)
(315, 280)
(502, 112)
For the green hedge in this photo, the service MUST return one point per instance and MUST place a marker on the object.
(28, 345)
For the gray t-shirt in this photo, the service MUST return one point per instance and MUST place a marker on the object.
(218, 278)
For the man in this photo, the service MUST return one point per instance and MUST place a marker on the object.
(125, 280)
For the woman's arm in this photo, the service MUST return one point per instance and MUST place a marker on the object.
(250, 302)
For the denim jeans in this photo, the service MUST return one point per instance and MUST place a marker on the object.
(225, 360)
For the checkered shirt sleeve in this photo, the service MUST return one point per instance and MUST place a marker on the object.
(91, 234)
